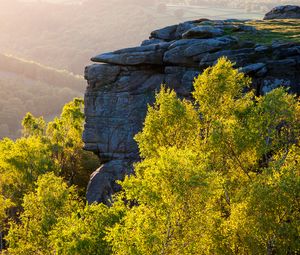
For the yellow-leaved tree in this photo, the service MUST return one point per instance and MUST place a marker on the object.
(218, 177)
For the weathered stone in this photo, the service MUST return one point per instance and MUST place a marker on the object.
(151, 41)
(280, 53)
(240, 57)
(253, 68)
(213, 23)
(176, 56)
(210, 45)
(150, 54)
(246, 28)
(101, 75)
(284, 12)
(119, 92)
(182, 28)
(236, 20)
(245, 44)
(166, 33)
(103, 181)
(262, 49)
(183, 52)
(202, 32)
(187, 83)
(269, 85)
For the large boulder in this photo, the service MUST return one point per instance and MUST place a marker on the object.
(188, 51)
(166, 33)
(120, 90)
(102, 182)
(202, 32)
(284, 12)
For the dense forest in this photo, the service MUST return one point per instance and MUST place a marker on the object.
(217, 175)
(30, 87)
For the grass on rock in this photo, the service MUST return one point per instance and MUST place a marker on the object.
(269, 31)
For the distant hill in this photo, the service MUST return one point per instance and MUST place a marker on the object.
(29, 86)
(65, 36)
(66, 33)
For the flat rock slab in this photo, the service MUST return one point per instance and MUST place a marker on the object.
(203, 32)
(166, 33)
(189, 51)
(143, 55)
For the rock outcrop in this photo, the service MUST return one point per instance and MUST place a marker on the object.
(124, 83)
(284, 12)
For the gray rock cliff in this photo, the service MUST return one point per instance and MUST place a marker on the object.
(124, 82)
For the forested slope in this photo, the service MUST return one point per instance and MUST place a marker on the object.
(66, 36)
(29, 86)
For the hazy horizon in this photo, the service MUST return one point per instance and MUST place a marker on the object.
(92, 26)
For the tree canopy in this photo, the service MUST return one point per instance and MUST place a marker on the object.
(219, 175)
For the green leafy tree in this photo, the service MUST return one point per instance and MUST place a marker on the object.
(33, 126)
(54, 147)
(172, 192)
(21, 163)
(218, 176)
(65, 137)
(84, 231)
(170, 122)
(51, 200)
(221, 177)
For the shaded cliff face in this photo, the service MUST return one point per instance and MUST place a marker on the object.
(120, 88)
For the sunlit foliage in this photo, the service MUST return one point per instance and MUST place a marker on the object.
(54, 147)
(231, 188)
(217, 176)
(51, 200)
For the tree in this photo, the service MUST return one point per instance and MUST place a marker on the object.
(33, 126)
(221, 177)
(169, 122)
(55, 147)
(51, 200)
(84, 231)
(65, 136)
(171, 194)
(21, 163)
(218, 176)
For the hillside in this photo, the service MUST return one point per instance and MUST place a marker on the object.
(65, 36)
(29, 86)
